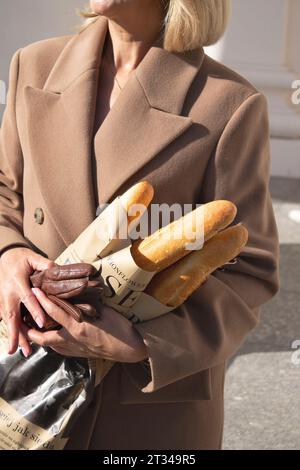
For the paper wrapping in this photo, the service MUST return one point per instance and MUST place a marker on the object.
(38, 416)
(100, 238)
(124, 281)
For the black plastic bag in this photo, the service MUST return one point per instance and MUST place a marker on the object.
(41, 397)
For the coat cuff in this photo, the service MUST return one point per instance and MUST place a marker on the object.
(10, 238)
(152, 374)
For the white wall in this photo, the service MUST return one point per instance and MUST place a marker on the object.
(293, 36)
(262, 44)
(26, 21)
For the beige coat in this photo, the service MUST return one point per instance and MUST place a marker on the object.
(197, 131)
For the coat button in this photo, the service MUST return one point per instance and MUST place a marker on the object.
(39, 216)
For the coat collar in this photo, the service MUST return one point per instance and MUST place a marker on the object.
(143, 121)
(165, 77)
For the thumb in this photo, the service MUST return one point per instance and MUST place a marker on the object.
(40, 263)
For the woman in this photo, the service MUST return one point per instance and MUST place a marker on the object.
(132, 97)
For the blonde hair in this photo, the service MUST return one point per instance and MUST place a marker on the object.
(189, 24)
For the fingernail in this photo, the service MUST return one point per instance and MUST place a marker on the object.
(24, 352)
(39, 322)
(35, 291)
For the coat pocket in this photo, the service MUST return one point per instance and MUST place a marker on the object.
(193, 388)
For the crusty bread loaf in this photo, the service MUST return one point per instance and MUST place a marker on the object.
(175, 284)
(166, 246)
(140, 194)
(137, 197)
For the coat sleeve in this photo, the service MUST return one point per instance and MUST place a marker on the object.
(213, 322)
(11, 170)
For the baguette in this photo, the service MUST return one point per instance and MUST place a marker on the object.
(175, 284)
(169, 244)
(140, 194)
(134, 202)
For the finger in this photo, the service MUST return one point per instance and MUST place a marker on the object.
(69, 308)
(39, 263)
(73, 290)
(71, 271)
(61, 342)
(30, 301)
(55, 312)
(24, 329)
(12, 320)
(24, 344)
(65, 289)
(49, 338)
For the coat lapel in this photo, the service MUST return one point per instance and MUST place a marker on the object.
(60, 119)
(143, 121)
(146, 117)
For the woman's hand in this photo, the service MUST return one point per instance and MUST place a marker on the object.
(67, 282)
(111, 337)
(16, 265)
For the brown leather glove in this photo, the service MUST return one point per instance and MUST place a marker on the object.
(79, 283)
(66, 281)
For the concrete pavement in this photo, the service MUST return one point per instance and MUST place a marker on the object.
(262, 403)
